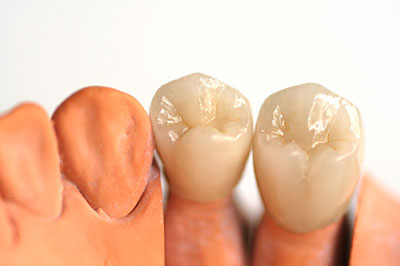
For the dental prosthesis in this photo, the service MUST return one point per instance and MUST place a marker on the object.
(203, 130)
(82, 188)
(308, 149)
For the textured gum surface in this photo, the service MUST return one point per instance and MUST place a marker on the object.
(80, 236)
(46, 218)
(106, 147)
(29, 171)
(376, 238)
(204, 234)
(275, 246)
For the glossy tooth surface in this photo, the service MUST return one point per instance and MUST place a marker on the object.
(308, 149)
(203, 131)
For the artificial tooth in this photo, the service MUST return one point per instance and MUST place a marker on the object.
(308, 150)
(203, 131)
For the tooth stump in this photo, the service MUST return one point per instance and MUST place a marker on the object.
(105, 205)
(203, 131)
(308, 149)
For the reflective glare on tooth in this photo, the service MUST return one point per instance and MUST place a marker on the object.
(203, 131)
(308, 150)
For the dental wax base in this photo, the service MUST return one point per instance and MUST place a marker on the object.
(203, 233)
(376, 236)
(275, 246)
(80, 236)
(105, 205)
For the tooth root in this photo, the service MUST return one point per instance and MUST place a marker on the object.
(308, 148)
(106, 147)
(29, 162)
(203, 131)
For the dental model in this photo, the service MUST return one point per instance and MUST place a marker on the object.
(376, 235)
(308, 148)
(104, 207)
(203, 132)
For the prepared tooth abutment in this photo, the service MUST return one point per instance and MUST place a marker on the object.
(308, 149)
(203, 131)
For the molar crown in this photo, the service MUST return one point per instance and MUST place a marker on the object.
(308, 149)
(203, 131)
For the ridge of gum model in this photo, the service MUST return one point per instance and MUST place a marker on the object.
(308, 149)
(376, 235)
(203, 131)
(105, 205)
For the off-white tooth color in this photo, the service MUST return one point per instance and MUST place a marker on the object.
(203, 131)
(308, 148)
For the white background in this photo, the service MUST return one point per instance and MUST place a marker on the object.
(49, 49)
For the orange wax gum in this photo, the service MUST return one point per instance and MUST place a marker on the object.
(5, 226)
(376, 236)
(106, 146)
(275, 246)
(46, 218)
(80, 236)
(29, 171)
(204, 234)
